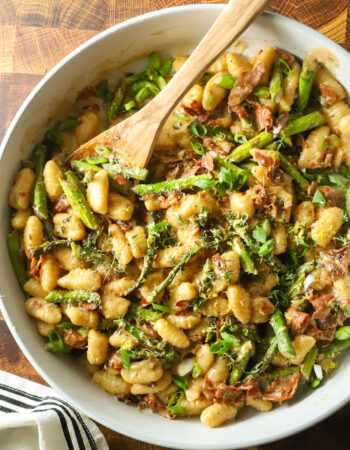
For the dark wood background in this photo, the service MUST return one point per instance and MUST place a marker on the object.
(35, 35)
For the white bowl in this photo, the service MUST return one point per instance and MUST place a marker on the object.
(176, 31)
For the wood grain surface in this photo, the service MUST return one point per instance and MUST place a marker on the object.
(35, 35)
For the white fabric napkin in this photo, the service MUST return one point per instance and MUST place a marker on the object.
(34, 417)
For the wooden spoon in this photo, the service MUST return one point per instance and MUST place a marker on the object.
(134, 138)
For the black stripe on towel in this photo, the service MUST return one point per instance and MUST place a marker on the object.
(15, 402)
(82, 423)
(6, 410)
(20, 392)
(42, 400)
(63, 425)
(57, 403)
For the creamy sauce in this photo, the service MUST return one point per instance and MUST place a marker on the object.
(240, 47)
(325, 57)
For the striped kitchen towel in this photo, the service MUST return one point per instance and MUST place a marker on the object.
(34, 417)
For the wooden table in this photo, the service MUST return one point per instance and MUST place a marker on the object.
(35, 35)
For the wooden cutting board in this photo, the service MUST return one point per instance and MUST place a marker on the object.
(36, 34)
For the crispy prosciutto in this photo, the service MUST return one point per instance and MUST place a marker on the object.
(329, 94)
(156, 406)
(245, 85)
(282, 389)
(298, 321)
(336, 262)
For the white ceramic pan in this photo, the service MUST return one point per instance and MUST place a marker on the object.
(174, 31)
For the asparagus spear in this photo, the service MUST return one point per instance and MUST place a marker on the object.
(263, 364)
(347, 201)
(174, 185)
(278, 373)
(93, 256)
(15, 251)
(74, 296)
(87, 254)
(172, 274)
(247, 262)
(307, 76)
(242, 152)
(335, 347)
(161, 350)
(166, 354)
(297, 287)
(308, 363)
(261, 91)
(238, 172)
(276, 83)
(72, 176)
(79, 204)
(295, 126)
(241, 362)
(206, 283)
(48, 247)
(40, 201)
(84, 167)
(129, 172)
(116, 103)
(293, 172)
(284, 343)
(304, 123)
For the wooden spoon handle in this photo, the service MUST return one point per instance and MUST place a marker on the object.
(235, 18)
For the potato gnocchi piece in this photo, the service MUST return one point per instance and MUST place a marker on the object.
(69, 226)
(189, 206)
(44, 327)
(262, 309)
(218, 414)
(46, 312)
(302, 345)
(120, 245)
(215, 307)
(204, 357)
(180, 295)
(113, 306)
(97, 192)
(152, 281)
(304, 213)
(88, 126)
(97, 350)
(20, 218)
(239, 303)
(213, 94)
(242, 204)
(184, 321)
(154, 387)
(52, 174)
(33, 234)
(237, 64)
(327, 225)
(49, 273)
(137, 241)
(68, 261)
(121, 338)
(81, 317)
(84, 279)
(143, 372)
(34, 288)
(194, 390)
(171, 333)
(22, 189)
(119, 207)
(193, 408)
(219, 371)
(111, 382)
